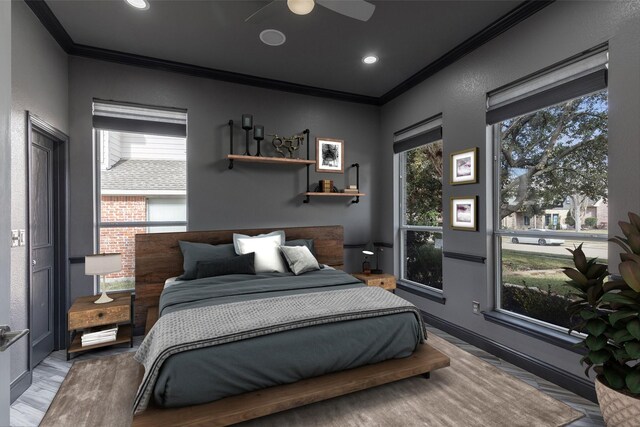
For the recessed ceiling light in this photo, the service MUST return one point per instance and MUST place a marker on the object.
(370, 59)
(272, 37)
(139, 4)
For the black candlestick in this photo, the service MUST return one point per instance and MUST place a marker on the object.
(258, 135)
(247, 124)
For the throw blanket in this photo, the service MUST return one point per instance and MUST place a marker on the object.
(214, 325)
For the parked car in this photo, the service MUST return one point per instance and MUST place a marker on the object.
(534, 240)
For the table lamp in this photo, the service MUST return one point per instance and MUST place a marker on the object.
(369, 250)
(99, 265)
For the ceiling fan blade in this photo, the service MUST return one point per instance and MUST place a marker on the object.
(259, 10)
(357, 9)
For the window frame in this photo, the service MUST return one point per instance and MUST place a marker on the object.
(498, 234)
(403, 227)
(97, 208)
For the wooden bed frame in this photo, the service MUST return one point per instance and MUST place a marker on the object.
(158, 257)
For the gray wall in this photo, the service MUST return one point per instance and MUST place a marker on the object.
(248, 196)
(39, 85)
(5, 196)
(459, 92)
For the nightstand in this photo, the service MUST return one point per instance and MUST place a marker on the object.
(85, 314)
(385, 281)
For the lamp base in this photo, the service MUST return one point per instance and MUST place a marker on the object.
(376, 271)
(104, 298)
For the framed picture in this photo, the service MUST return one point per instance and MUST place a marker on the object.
(464, 213)
(329, 155)
(464, 169)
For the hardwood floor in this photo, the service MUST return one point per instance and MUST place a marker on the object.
(30, 408)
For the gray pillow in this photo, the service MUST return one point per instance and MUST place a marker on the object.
(302, 242)
(194, 252)
(300, 259)
(237, 236)
(242, 264)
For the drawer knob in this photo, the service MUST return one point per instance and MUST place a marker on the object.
(100, 314)
(382, 282)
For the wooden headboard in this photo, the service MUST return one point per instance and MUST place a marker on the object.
(158, 257)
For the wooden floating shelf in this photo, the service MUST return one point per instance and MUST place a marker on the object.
(279, 160)
(312, 193)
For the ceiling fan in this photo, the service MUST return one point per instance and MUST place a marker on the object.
(357, 9)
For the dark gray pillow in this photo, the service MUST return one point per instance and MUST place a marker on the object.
(300, 259)
(242, 264)
(194, 252)
(302, 242)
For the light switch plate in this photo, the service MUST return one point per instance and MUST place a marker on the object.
(476, 307)
(15, 238)
(21, 237)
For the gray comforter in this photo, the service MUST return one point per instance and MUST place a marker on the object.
(278, 335)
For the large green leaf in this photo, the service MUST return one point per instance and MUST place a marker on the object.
(621, 336)
(614, 378)
(634, 328)
(596, 270)
(630, 272)
(633, 381)
(634, 242)
(596, 343)
(618, 298)
(627, 229)
(599, 356)
(576, 276)
(621, 355)
(635, 220)
(596, 327)
(633, 349)
(588, 314)
(580, 260)
(619, 315)
(630, 257)
(615, 284)
(621, 242)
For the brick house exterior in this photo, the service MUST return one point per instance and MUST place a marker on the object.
(122, 240)
(142, 180)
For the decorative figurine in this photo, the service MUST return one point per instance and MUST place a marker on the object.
(291, 144)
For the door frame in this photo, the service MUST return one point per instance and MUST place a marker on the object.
(61, 236)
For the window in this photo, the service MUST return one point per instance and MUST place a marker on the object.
(551, 189)
(141, 180)
(420, 160)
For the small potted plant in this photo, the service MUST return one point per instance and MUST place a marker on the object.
(608, 312)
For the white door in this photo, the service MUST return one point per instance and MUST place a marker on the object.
(5, 196)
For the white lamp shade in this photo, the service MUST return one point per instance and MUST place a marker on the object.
(102, 264)
(300, 7)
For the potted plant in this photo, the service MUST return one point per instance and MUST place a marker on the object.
(608, 312)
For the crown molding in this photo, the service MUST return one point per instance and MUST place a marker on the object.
(46, 16)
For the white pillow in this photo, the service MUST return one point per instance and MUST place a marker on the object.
(266, 249)
(237, 236)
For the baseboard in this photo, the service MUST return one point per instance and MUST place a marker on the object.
(578, 385)
(20, 385)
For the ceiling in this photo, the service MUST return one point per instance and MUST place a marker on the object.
(323, 49)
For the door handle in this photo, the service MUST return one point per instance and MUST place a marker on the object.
(8, 337)
(33, 262)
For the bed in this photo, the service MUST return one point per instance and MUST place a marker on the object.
(203, 381)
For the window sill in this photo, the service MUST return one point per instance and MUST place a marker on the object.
(552, 336)
(421, 291)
